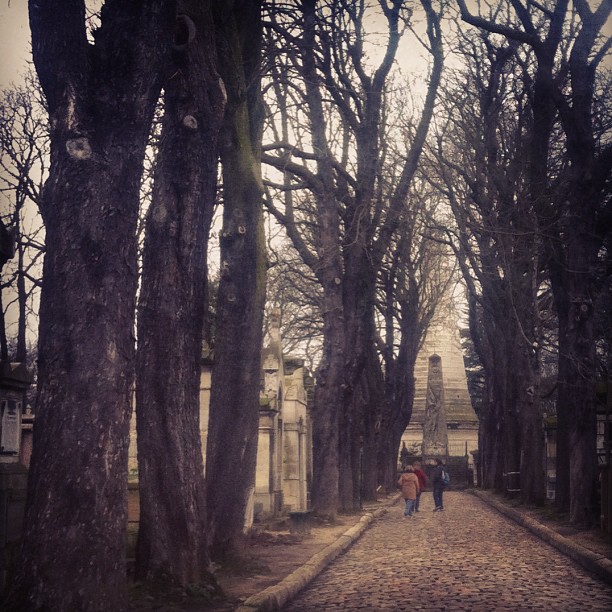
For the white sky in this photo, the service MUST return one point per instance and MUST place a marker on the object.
(14, 40)
(15, 43)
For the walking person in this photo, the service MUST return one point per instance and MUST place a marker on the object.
(409, 484)
(438, 482)
(420, 474)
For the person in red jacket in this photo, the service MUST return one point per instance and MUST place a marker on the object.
(420, 474)
(409, 484)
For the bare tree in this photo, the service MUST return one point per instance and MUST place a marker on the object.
(569, 48)
(234, 404)
(414, 278)
(328, 72)
(24, 152)
(100, 95)
(172, 537)
(498, 243)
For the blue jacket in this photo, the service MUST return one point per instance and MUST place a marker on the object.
(437, 476)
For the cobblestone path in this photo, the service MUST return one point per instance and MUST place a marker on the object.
(468, 557)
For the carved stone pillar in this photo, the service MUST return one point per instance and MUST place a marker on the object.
(435, 436)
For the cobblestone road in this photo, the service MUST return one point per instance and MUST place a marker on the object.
(468, 557)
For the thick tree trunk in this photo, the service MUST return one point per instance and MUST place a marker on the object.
(525, 371)
(490, 444)
(564, 418)
(74, 540)
(327, 406)
(172, 544)
(330, 390)
(101, 99)
(532, 482)
(493, 432)
(572, 277)
(393, 416)
(512, 444)
(358, 296)
(22, 298)
(234, 404)
(366, 451)
(6, 253)
(579, 387)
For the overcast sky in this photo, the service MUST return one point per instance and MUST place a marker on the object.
(14, 40)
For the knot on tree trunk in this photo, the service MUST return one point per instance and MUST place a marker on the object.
(184, 32)
(78, 148)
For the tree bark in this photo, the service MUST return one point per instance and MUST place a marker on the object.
(234, 403)
(576, 409)
(100, 99)
(172, 545)
(6, 253)
(563, 404)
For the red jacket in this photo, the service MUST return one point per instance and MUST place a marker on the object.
(420, 474)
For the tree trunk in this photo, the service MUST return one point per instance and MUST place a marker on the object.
(393, 416)
(234, 403)
(496, 425)
(573, 270)
(358, 293)
(327, 405)
(512, 443)
(564, 417)
(579, 386)
(100, 99)
(525, 274)
(172, 544)
(367, 448)
(22, 298)
(532, 481)
(330, 390)
(6, 253)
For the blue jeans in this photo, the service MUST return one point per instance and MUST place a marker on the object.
(409, 507)
(437, 495)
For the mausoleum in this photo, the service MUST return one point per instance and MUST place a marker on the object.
(284, 447)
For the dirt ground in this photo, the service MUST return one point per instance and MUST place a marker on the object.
(273, 553)
(593, 539)
(277, 552)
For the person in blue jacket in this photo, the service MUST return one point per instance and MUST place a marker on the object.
(438, 485)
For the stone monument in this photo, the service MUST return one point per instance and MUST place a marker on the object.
(440, 361)
(435, 435)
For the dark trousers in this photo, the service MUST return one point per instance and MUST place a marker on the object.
(437, 495)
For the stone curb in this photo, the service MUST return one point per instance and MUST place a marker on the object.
(594, 562)
(276, 596)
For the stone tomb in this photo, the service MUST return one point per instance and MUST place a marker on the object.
(284, 451)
